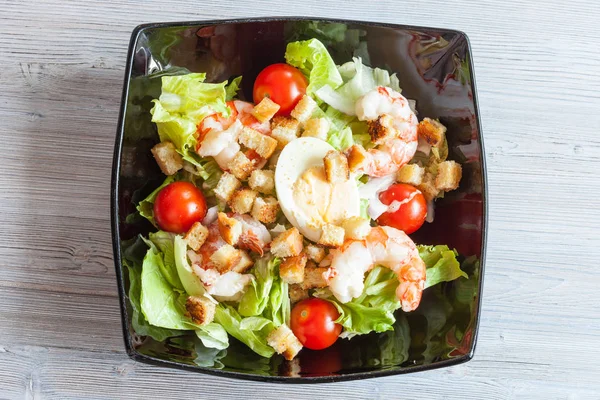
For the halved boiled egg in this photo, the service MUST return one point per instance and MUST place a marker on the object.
(306, 198)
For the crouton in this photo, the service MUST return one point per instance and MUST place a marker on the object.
(356, 228)
(336, 167)
(265, 110)
(262, 181)
(427, 187)
(227, 185)
(263, 145)
(244, 264)
(317, 128)
(229, 228)
(240, 166)
(196, 236)
(284, 130)
(265, 209)
(356, 157)
(304, 109)
(226, 258)
(313, 278)
(274, 159)
(287, 244)
(381, 129)
(432, 131)
(315, 253)
(291, 269)
(448, 176)
(411, 174)
(284, 342)
(167, 158)
(297, 293)
(200, 310)
(242, 200)
(332, 236)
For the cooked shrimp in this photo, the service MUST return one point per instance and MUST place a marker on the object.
(393, 128)
(384, 246)
(255, 236)
(217, 135)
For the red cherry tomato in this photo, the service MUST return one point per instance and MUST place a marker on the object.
(283, 84)
(411, 215)
(177, 206)
(313, 323)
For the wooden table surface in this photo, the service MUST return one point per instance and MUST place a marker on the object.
(538, 74)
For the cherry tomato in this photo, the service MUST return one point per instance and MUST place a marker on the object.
(177, 206)
(313, 323)
(283, 84)
(410, 216)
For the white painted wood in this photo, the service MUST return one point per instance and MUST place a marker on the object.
(537, 67)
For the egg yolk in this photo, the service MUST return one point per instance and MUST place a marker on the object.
(319, 201)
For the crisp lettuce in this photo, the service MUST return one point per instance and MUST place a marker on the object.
(442, 265)
(255, 339)
(213, 336)
(164, 243)
(358, 80)
(312, 58)
(232, 88)
(161, 304)
(190, 281)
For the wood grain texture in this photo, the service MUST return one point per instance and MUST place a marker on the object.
(537, 68)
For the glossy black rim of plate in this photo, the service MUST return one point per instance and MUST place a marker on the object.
(114, 210)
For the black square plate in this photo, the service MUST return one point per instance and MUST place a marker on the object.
(434, 67)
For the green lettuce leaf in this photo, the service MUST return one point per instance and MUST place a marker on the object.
(341, 140)
(232, 88)
(442, 265)
(190, 282)
(164, 243)
(213, 336)
(256, 340)
(162, 306)
(257, 297)
(312, 58)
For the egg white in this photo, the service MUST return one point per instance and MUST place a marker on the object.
(296, 157)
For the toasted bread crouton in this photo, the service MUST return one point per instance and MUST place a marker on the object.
(229, 228)
(200, 309)
(242, 200)
(427, 187)
(314, 278)
(291, 269)
(317, 128)
(227, 185)
(265, 110)
(315, 253)
(265, 209)
(336, 167)
(411, 174)
(287, 244)
(381, 129)
(284, 342)
(448, 176)
(284, 130)
(240, 166)
(356, 228)
(226, 258)
(263, 181)
(297, 293)
(196, 236)
(167, 158)
(244, 264)
(264, 145)
(356, 157)
(432, 131)
(304, 109)
(332, 236)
